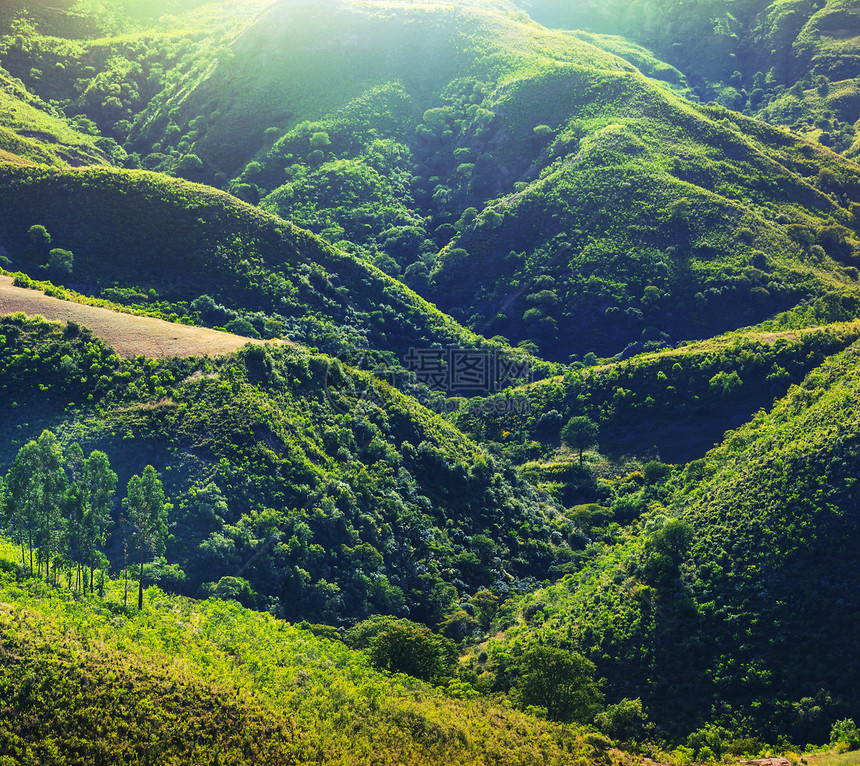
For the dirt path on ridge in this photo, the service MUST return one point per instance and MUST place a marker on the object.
(127, 334)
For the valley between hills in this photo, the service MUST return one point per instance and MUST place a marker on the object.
(471, 382)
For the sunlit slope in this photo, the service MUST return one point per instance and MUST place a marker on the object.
(304, 60)
(145, 230)
(531, 183)
(30, 130)
(577, 203)
(653, 219)
(86, 681)
(745, 612)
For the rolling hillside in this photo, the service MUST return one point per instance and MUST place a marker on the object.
(86, 681)
(330, 493)
(382, 194)
(142, 232)
(730, 597)
(531, 182)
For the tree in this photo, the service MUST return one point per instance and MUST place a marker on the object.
(99, 484)
(320, 140)
(146, 512)
(580, 433)
(625, 721)
(60, 262)
(39, 236)
(47, 490)
(22, 497)
(561, 682)
(407, 647)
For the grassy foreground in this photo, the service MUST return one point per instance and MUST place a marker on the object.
(85, 681)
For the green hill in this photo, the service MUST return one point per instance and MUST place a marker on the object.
(733, 593)
(140, 238)
(674, 403)
(329, 492)
(320, 173)
(86, 681)
(532, 182)
(32, 131)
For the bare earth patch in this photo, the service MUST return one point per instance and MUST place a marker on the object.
(127, 334)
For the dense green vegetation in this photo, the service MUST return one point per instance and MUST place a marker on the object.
(299, 485)
(677, 402)
(149, 239)
(787, 62)
(582, 194)
(182, 682)
(723, 604)
(528, 181)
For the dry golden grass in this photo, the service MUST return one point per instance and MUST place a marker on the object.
(127, 334)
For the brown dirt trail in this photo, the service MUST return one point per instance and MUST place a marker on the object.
(128, 334)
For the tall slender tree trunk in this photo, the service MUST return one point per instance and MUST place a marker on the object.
(140, 586)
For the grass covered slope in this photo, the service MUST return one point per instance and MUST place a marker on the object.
(328, 492)
(36, 133)
(142, 231)
(652, 219)
(86, 681)
(736, 602)
(533, 184)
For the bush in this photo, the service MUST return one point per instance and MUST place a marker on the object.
(562, 682)
(626, 721)
(845, 731)
(60, 262)
(407, 647)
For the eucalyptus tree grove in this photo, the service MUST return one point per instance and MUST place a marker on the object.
(57, 506)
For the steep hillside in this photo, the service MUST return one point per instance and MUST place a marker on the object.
(734, 601)
(155, 238)
(86, 681)
(533, 183)
(329, 492)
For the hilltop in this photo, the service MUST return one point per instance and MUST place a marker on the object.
(533, 183)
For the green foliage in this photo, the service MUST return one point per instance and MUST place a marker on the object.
(626, 721)
(146, 512)
(845, 731)
(687, 216)
(60, 263)
(334, 495)
(559, 681)
(682, 609)
(85, 681)
(407, 647)
(579, 433)
(652, 398)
